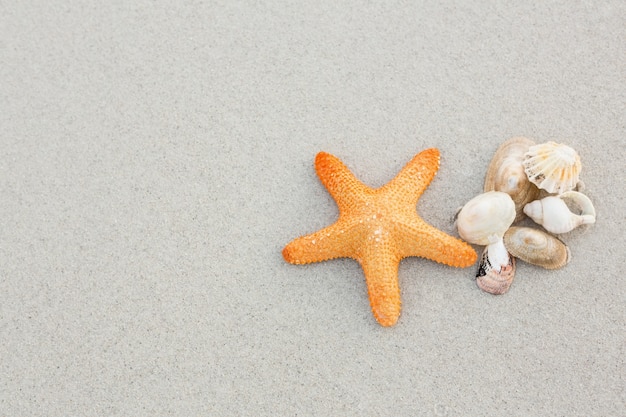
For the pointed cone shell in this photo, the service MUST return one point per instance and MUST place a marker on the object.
(485, 218)
(491, 280)
(554, 214)
(552, 167)
(506, 173)
(536, 247)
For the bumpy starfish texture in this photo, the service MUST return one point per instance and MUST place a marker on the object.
(379, 227)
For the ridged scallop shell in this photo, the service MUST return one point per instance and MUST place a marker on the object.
(552, 167)
(506, 173)
(485, 218)
(491, 280)
(554, 214)
(536, 247)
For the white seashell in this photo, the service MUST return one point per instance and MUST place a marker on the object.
(552, 167)
(582, 203)
(485, 218)
(506, 173)
(536, 247)
(493, 280)
(556, 217)
(498, 255)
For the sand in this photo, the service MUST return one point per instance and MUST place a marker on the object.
(155, 158)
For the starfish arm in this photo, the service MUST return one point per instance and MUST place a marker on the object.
(330, 242)
(343, 186)
(380, 262)
(378, 228)
(421, 239)
(414, 178)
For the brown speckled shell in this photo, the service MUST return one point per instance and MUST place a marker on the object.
(492, 281)
(506, 173)
(536, 247)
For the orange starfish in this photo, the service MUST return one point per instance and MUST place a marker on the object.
(379, 227)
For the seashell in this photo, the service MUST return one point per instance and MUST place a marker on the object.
(493, 280)
(506, 173)
(497, 254)
(556, 217)
(552, 166)
(485, 218)
(536, 247)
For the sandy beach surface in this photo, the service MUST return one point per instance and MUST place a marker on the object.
(156, 157)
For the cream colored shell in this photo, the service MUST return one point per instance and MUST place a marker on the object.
(536, 247)
(506, 173)
(555, 216)
(497, 254)
(552, 167)
(485, 218)
(492, 280)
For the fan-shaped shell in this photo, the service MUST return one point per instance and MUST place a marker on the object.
(485, 218)
(553, 167)
(536, 247)
(494, 281)
(506, 173)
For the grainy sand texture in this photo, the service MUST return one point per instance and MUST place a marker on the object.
(155, 158)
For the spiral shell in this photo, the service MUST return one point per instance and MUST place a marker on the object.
(553, 167)
(555, 216)
(536, 247)
(492, 280)
(506, 173)
(485, 218)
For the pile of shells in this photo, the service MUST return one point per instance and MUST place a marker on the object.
(525, 179)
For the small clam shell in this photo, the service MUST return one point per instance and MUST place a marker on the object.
(492, 280)
(552, 167)
(485, 218)
(536, 247)
(554, 214)
(506, 173)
